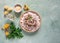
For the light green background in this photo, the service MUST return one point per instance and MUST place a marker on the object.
(49, 31)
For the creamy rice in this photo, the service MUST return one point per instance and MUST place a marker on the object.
(30, 25)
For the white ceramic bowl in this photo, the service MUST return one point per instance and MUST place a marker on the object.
(19, 10)
(21, 17)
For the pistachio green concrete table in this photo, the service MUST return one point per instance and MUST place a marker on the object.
(49, 31)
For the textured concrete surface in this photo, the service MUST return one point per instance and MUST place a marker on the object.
(49, 31)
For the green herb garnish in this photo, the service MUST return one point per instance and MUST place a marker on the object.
(14, 32)
(30, 17)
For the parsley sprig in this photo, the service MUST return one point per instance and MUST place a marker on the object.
(14, 32)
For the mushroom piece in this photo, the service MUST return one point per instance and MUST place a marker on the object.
(31, 22)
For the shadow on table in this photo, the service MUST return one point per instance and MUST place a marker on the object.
(18, 14)
(30, 34)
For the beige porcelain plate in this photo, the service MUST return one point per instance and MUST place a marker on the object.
(30, 21)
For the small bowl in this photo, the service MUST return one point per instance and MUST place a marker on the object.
(17, 8)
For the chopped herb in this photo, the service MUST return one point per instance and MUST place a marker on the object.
(29, 17)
